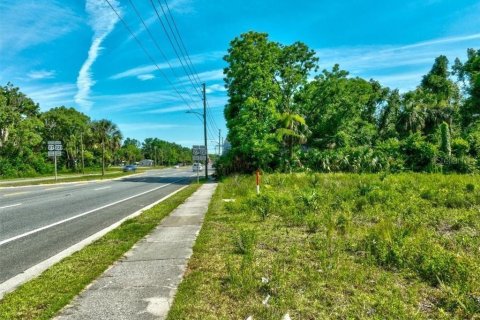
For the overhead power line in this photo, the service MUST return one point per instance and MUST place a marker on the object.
(148, 54)
(158, 47)
(181, 44)
(183, 48)
(175, 49)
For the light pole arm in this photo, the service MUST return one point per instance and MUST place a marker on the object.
(204, 115)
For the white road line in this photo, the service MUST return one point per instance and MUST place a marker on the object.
(102, 188)
(12, 205)
(23, 235)
(37, 269)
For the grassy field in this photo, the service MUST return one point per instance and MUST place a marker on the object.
(337, 246)
(43, 297)
(68, 177)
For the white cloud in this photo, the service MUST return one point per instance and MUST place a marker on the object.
(102, 19)
(429, 43)
(216, 74)
(217, 102)
(25, 24)
(149, 126)
(135, 72)
(403, 61)
(179, 6)
(51, 95)
(137, 101)
(173, 63)
(169, 109)
(41, 74)
(215, 88)
(145, 77)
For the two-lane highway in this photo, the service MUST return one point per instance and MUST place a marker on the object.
(37, 222)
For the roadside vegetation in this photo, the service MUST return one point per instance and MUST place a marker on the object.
(43, 297)
(87, 144)
(284, 114)
(111, 173)
(337, 246)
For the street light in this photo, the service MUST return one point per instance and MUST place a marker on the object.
(216, 145)
(204, 115)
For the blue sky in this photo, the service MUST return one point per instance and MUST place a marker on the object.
(78, 53)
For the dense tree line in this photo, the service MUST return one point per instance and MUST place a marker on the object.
(25, 130)
(279, 119)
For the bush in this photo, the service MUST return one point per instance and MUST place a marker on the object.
(245, 242)
(420, 155)
(460, 147)
(262, 204)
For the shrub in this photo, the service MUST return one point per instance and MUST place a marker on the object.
(245, 242)
(313, 223)
(262, 204)
(420, 155)
(385, 243)
(460, 147)
(436, 265)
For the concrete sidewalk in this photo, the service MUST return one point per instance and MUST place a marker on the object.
(142, 285)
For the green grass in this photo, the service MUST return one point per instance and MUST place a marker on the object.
(111, 174)
(43, 297)
(337, 246)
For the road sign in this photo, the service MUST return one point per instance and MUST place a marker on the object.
(54, 146)
(55, 150)
(198, 158)
(199, 151)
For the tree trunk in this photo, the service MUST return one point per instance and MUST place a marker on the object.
(103, 157)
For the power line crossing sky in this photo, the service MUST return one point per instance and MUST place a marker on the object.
(80, 54)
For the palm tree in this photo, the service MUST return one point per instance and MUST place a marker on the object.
(107, 133)
(413, 114)
(292, 130)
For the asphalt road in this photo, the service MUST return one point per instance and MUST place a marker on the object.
(37, 222)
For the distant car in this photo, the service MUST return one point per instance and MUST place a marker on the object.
(177, 166)
(197, 167)
(129, 167)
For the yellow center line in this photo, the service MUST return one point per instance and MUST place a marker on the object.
(16, 193)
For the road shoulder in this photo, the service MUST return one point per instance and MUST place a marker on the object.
(143, 284)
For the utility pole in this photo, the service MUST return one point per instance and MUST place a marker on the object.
(219, 145)
(155, 162)
(83, 160)
(205, 129)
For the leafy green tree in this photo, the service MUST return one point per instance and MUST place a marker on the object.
(292, 130)
(263, 79)
(15, 108)
(293, 65)
(469, 73)
(251, 113)
(20, 134)
(441, 94)
(341, 110)
(445, 145)
(130, 150)
(69, 126)
(389, 115)
(108, 136)
(166, 152)
(412, 114)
